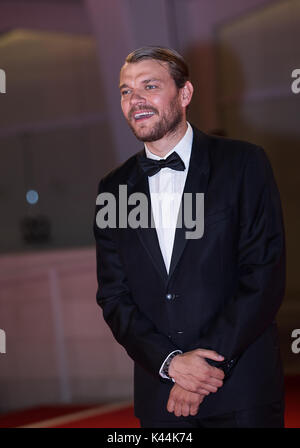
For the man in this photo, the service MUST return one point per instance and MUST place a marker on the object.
(195, 314)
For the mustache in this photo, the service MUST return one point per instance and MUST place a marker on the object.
(144, 108)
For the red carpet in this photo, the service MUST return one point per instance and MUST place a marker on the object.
(123, 418)
(118, 415)
(292, 401)
(32, 415)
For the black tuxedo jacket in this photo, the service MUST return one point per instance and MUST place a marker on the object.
(223, 290)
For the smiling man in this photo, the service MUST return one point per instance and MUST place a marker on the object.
(196, 316)
(160, 114)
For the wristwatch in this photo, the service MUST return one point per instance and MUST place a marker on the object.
(166, 365)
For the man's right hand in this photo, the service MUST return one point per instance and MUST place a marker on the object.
(183, 402)
(191, 371)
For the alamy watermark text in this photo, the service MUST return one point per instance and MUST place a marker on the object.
(2, 341)
(133, 211)
(2, 81)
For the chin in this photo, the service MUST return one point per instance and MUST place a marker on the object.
(140, 134)
(143, 138)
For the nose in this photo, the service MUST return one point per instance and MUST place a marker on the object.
(137, 97)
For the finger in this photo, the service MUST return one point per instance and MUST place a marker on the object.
(188, 382)
(177, 410)
(210, 354)
(210, 385)
(185, 409)
(217, 373)
(193, 384)
(203, 391)
(170, 405)
(206, 387)
(194, 409)
(214, 382)
(201, 398)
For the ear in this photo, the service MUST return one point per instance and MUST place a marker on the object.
(186, 93)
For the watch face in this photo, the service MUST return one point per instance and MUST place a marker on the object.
(166, 367)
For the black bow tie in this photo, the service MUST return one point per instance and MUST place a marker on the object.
(151, 166)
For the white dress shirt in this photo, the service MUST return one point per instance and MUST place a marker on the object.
(166, 188)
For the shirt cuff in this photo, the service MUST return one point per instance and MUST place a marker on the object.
(170, 355)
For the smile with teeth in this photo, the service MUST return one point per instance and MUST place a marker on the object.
(143, 115)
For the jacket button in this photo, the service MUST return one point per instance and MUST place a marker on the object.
(170, 296)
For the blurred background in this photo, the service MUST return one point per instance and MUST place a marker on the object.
(61, 130)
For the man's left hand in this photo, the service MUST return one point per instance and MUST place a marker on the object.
(183, 402)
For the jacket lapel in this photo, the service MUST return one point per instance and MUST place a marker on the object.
(138, 183)
(196, 182)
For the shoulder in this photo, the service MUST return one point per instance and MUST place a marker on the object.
(229, 152)
(225, 145)
(120, 174)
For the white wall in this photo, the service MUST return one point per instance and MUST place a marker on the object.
(58, 347)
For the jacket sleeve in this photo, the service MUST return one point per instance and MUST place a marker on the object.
(130, 327)
(261, 264)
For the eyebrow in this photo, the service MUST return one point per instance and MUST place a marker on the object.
(145, 81)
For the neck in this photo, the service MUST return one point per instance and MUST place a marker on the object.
(164, 145)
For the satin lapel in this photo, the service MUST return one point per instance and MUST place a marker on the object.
(196, 182)
(138, 183)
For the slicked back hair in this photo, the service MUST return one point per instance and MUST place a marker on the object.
(177, 66)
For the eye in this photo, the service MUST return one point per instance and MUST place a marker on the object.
(151, 86)
(125, 92)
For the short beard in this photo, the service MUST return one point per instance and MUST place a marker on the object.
(165, 126)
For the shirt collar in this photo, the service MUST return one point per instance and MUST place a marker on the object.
(183, 148)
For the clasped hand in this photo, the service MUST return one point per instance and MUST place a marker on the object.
(194, 380)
